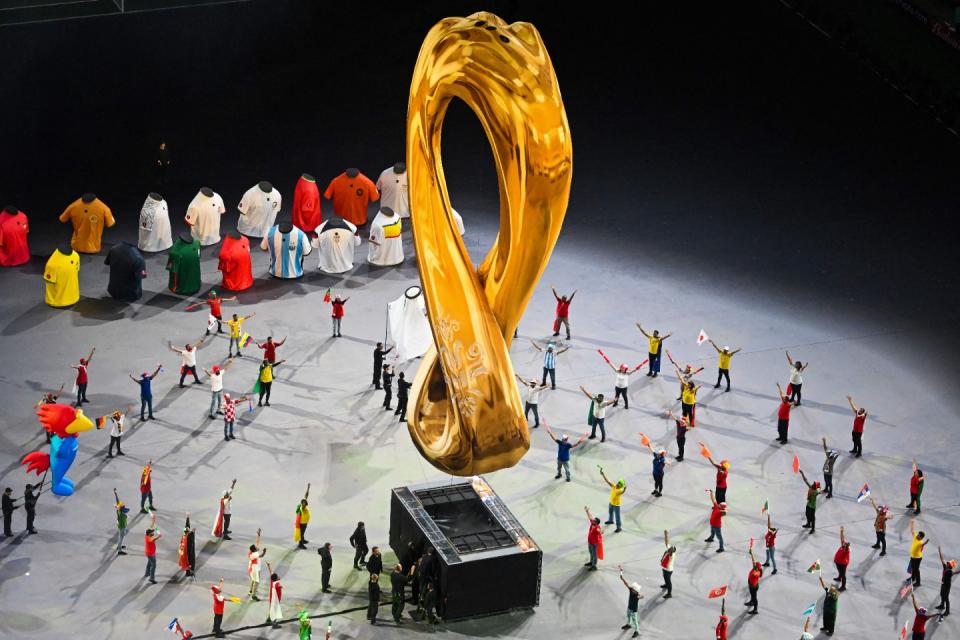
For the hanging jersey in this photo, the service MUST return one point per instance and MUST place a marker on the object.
(154, 231)
(14, 250)
(393, 191)
(88, 219)
(351, 196)
(235, 263)
(203, 216)
(306, 205)
(337, 240)
(183, 263)
(286, 251)
(127, 271)
(61, 276)
(258, 211)
(386, 245)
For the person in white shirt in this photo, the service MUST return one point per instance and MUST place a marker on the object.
(117, 424)
(188, 360)
(258, 210)
(216, 387)
(203, 216)
(598, 413)
(534, 389)
(666, 565)
(337, 240)
(386, 243)
(796, 378)
(253, 566)
(622, 381)
(392, 185)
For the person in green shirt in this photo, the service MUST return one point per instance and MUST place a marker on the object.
(830, 605)
(122, 512)
(306, 628)
(813, 490)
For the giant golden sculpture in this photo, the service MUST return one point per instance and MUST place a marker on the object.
(467, 417)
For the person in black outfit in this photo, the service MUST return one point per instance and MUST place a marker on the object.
(30, 505)
(358, 540)
(403, 387)
(949, 570)
(424, 575)
(326, 565)
(431, 600)
(378, 354)
(7, 505)
(387, 386)
(373, 593)
(375, 563)
(161, 163)
(398, 580)
(410, 561)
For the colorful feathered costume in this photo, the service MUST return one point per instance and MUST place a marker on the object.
(64, 422)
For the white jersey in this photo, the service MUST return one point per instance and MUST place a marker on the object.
(154, 226)
(188, 358)
(258, 211)
(203, 216)
(385, 232)
(599, 409)
(533, 394)
(216, 381)
(337, 240)
(253, 566)
(116, 426)
(286, 251)
(796, 376)
(623, 379)
(393, 192)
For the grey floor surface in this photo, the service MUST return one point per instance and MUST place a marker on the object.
(326, 427)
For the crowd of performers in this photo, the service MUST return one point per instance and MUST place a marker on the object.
(418, 569)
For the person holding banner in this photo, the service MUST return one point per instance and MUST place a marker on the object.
(633, 603)
(725, 355)
(722, 624)
(563, 312)
(265, 381)
(218, 602)
(301, 521)
(880, 525)
(274, 612)
(656, 346)
(221, 524)
(598, 413)
(622, 381)
(594, 541)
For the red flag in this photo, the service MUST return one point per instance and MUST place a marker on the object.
(719, 592)
(704, 451)
(603, 355)
(903, 632)
(644, 440)
(326, 296)
(796, 464)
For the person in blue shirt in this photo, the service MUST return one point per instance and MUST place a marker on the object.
(660, 463)
(549, 362)
(563, 451)
(146, 393)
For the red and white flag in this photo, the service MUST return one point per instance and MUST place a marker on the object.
(903, 632)
(719, 592)
(702, 337)
(217, 531)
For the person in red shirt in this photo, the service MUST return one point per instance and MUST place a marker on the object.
(722, 624)
(146, 490)
(594, 541)
(723, 468)
(214, 301)
(916, 486)
(783, 415)
(270, 348)
(920, 620)
(563, 312)
(82, 379)
(218, 602)
(770, 541)
(716, 520)
(859, 418)
(842, 559)
(150, 549)
(880, 525)
(337, 314)
(753, 582)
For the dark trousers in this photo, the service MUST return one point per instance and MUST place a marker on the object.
(829, 621)
(372, 607)
(723, 373)
(387, 397)
(415, 591)
(114, 440)
(795, 392)
(598, 422)
(7, 522)
(619, 392)
(144, 497)
(654, 365)
(31, 514)
(721, 494)
(842, 574)
(377, 369)
(553, 377)
(857, 443)
(811, 518)
(303, 535)
(264, 391)
(82, 393)
(401, 408)
(753, 597)
(882, 541)
(681, 442)
(325, 578)
(828, 484)
(397, 606)
(944, 600)
(658, 482)
(915, 570)
(782, 426)
(185, 371)
(687, 410)
(668, 581)
(226, 523)
(228, 428)
(536, 413)
(146, 404)
(217, 620)
(359, 557)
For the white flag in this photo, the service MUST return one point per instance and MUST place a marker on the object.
(703, 337)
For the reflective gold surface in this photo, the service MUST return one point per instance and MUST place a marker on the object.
(467, 417)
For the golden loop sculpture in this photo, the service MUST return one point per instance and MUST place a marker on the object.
(467, 417)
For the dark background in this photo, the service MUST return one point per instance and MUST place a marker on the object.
(731, 140)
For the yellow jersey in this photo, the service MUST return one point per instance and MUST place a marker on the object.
(916, 548)
(690, 396)
(654, 344)
(725, 360)
(61, 277)
(616, 495)
(235, 327)
(266, 374)
(88, 220)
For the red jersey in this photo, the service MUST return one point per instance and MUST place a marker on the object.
(920, 622)
(595, 534)
(149, 546)
(215, 306)
(235, 264)
(14, 249)
(351, 196)
(842, 556)
(770, 539)
(337, 309)
(721, 478)
(914, 483)
(217, 601)
(716, 517)
(81, 373)
(145, 481)
(753, 578)
(269, 350)
(784, 412)
(563, 308)
(858, 423)
(306, 205)
(722, 628)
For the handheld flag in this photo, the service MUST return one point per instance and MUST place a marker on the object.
(174, 626)
(766, 507)
(704, 451)
(906, 627)
(644, 440)
(211, 322)
(102, 420)
(326, 295)
(234, 599)
(246, 340)
(905, 591)
(864, 493)
(796, 464)
(702, 337)
(814, 567)
(718, 592)
(810, 610)
(750, 545)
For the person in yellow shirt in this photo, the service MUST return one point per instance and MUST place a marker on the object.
(616, 498)
(916, 552)
(725, 356)
(656, 346)
(265, 380)
(236, 323)
(301, 521)
(688, 402)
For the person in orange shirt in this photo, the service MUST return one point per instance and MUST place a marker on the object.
(89, 215)
(351, 192)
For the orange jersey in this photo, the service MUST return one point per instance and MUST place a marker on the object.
(351, 196)
(88, 219)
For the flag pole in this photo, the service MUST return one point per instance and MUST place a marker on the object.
(386, 323)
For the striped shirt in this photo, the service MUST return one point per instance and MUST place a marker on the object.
(549, 359)
(286, 252)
